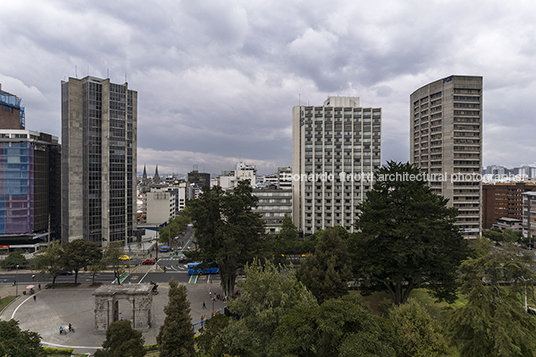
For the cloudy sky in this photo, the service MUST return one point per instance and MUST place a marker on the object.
(217, 79)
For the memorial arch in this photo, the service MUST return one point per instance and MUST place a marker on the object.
(140, 300)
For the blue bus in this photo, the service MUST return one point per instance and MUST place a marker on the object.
(193, 269)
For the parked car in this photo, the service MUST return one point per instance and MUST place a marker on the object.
(124, 257)
(148, 261)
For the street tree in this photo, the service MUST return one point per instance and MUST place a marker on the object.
(176, 337)
(48, 260)
(494, 321)
(227, 230)
(79, 254)
(13, 259)
(326, 273)
(14, 342)
(112, 254)
(407, 237)
(175, 226)
(122, 340)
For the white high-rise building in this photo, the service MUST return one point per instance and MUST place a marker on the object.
(335, 150)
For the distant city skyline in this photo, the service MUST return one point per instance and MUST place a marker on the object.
(218, 80)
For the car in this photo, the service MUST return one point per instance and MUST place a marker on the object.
(124, 257)
(66, 272)
(148, 261)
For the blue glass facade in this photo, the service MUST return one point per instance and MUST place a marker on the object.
(16, 188)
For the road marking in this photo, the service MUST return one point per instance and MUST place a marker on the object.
(14, 312)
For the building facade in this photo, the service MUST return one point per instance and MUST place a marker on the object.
(99, 128)
(30, 163)
(446, 143)
(273, 205)
(336, 148)
(503, 200)
(11, 111)
(529, 215)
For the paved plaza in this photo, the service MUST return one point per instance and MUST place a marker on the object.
(53, 308)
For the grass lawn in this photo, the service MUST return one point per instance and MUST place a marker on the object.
(5, 301)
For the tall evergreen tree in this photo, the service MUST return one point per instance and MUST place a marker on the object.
(493, 322)
(176, 337)
(326, 273)
(407, 237)
(227, 230)
(122, 340)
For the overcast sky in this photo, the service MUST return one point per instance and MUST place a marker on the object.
(217, 80)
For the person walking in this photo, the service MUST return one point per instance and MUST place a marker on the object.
(204, 307)
(35, 297)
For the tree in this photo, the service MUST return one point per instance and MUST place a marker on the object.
(407, 237)
(175, 226)
(420, 334)
(494, 322)
(79, 254)
(17, 343)
(176, 337)
(214, 326)
(266, 296)
(122, 340)
(13, 259)
(288, 232)
(48, 260)
(339, 327)
(326, 273)
(96, 268)
(112, 252)
(227, 230)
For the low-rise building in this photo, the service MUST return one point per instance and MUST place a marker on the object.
(502, 200)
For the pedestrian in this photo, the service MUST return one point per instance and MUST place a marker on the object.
(61, 330)
(35, 297)
(70, 328)
(39, 286)
(204, 307)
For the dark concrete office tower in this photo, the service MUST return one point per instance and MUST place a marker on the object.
(99, 128)
(446, 143)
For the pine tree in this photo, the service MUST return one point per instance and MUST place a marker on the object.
(176, 337)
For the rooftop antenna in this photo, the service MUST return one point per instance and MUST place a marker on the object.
(88, 71)
(76, 72)
(125, 78)
(299, 100)
(107, 73)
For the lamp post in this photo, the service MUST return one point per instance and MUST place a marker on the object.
(16, 281)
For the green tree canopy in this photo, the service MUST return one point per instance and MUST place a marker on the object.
(419, 333)
(326, 273)
(338, 327)
(13, 259)
(176, 337)
(175, 226)
(494, 322)
(79, 254)
(227, 230)
(122, 341)
(407, 237)
(17, 343)
(266, 296)
(48, 260)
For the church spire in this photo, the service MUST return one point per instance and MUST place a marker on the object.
(156, 178)
(144, 177)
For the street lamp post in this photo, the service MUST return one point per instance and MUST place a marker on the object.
(17, 282)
